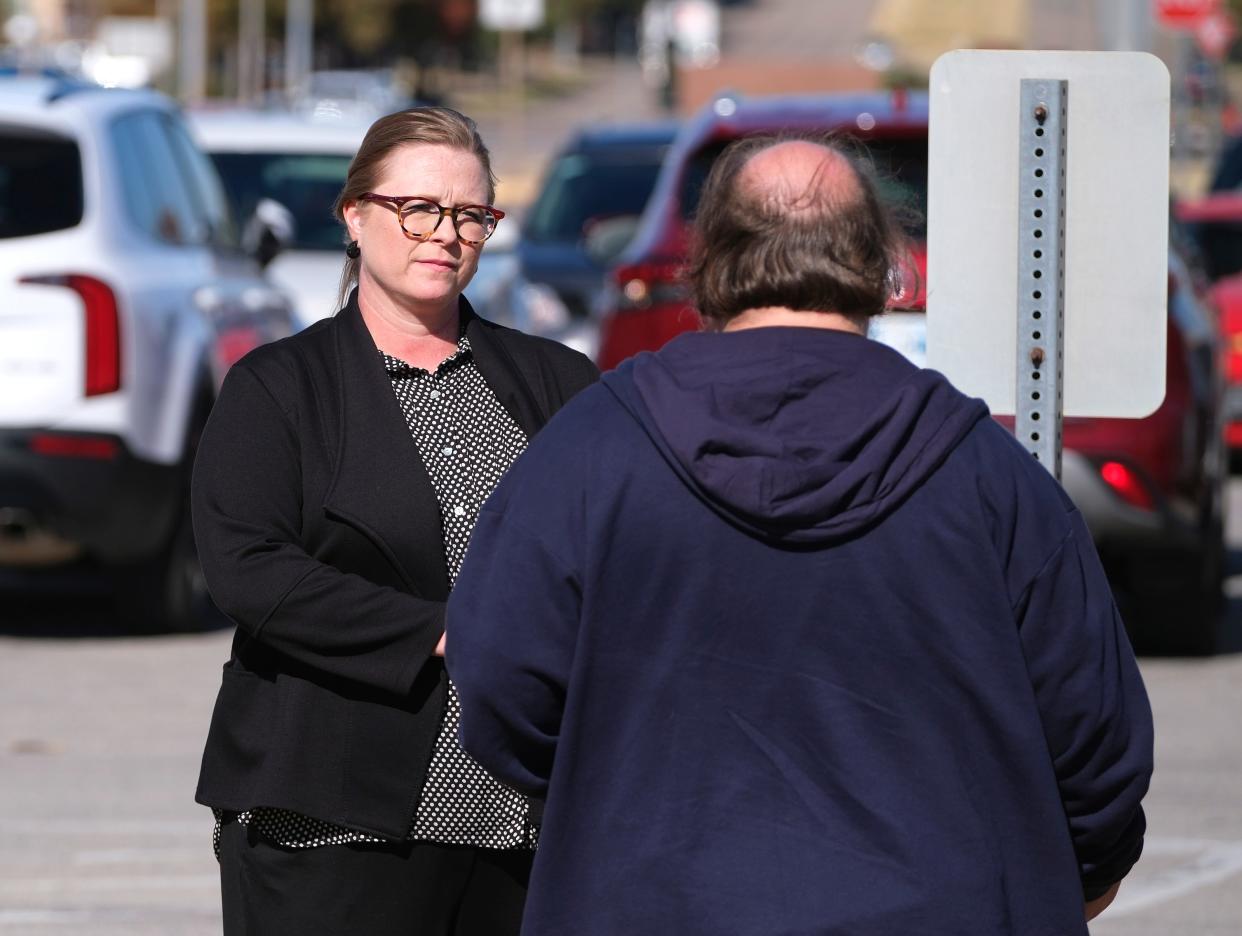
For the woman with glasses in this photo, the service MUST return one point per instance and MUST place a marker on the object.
(335, 489)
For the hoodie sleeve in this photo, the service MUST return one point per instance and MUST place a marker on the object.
(1093, 705)
(511, 631)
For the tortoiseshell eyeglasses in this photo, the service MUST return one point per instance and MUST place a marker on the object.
(420, 217)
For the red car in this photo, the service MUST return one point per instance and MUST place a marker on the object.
(1150, 489)
(647, 303)
(1216, 223)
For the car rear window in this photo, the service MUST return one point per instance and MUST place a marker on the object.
(305, 183)
(40, 183)
(901, 170)
(581, 188)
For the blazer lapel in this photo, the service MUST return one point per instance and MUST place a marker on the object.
(501, 373)
(379, 485)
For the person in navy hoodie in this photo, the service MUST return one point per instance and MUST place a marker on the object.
(790, 635)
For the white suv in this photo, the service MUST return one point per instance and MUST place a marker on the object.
(123, 299)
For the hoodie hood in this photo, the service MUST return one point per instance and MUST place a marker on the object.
(798, 435)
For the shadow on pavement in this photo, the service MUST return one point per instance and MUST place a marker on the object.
(71, 615)
(59, 616)
(1154, 623)
(1231, 630)
(63, 616)
(1230, 635)
(86, 610)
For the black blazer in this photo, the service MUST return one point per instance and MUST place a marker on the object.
(320, 536)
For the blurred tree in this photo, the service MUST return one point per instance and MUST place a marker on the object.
(587, 7)
(365, 27)
(362, 33)
(604, 25)
(1235, 48)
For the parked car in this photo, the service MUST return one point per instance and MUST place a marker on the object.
(587, 208)
(300, 165)
(124, 297)
(1215, 224)
(502, 293)
(645, 301)
(1150, 489)
(1216, 220)
(291, 164)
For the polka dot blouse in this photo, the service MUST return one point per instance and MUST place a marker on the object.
(467, 441)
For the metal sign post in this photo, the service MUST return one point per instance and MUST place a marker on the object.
(1041, 268)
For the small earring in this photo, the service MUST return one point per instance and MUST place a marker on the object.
(352, 250)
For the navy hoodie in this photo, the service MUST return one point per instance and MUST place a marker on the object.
(795, 640)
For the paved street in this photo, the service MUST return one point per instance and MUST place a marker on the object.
(99, 749)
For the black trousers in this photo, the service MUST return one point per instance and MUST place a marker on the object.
(398, 889)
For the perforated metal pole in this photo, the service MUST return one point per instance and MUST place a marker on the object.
(1041, 268)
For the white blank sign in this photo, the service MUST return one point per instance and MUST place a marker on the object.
(1116, 242)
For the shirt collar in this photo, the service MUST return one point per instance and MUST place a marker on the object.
(400, 370)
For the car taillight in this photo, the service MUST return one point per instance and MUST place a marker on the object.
(647, 305)
(103, 448)
(1233, 358)
(1127, 484)
(643, 285)
(102, 329)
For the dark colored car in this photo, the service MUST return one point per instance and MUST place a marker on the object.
(588, 207)
(1215, 223)
(1150, 489)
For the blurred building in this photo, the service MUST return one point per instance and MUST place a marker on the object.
(811, 45)
(919, 31)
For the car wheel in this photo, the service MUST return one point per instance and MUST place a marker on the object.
(1201, 635)
(1185, 620)
(168, 593)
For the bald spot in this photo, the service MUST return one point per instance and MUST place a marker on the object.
(799, 176)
